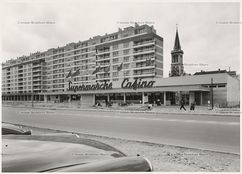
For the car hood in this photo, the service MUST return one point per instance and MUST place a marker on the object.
(43, 153)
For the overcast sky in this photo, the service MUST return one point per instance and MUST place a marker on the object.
(208, 38)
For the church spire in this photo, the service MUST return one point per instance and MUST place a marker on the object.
(177, 68)
(177, 45)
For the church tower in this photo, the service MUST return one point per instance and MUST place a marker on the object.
(177, 58)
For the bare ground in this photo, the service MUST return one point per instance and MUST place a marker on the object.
(166, 158)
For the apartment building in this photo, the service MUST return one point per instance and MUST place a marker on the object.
(132, 52)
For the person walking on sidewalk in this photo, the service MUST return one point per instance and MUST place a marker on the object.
(192, 108)
(182, 104)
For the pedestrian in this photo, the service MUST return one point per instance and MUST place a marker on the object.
(182, 104)
(106, 102)
(158, 102)
(192, 108)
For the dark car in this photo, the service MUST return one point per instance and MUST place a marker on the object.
(58, 153)
(15, 130)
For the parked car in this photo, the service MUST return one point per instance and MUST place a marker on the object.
(15, 130)
(62, 153)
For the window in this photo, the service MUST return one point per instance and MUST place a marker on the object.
(115, 47)
(115, 79)
(126, 45)
(175, 59)
(126, 66)
(115, 67)
(115, 60)
(126, 59)
(115, 54)
(126, 73)
(115, 74)
(126, 52)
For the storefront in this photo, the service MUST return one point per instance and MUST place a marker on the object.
(156, 91)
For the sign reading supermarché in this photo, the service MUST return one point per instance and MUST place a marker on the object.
(97, 86)
(126, 84)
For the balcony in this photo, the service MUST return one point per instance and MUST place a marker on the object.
(37, 79)
(20, 71)
(102, 78)
(143, 58)
(144, 51)
(103, 64)
(143, 64)
(36, 65)
(37, 74)
(36, 83)
(36, 69)
(144, 43)
(144, 74)
(100, 52)
(101, 58)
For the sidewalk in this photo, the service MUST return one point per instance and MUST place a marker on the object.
(199, 110)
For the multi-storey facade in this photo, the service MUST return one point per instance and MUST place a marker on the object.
(134, 52)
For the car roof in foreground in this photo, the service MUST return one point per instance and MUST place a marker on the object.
(34, 153)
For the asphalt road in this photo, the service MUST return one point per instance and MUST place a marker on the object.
(217, 133)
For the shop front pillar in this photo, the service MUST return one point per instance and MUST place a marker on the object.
(124, 98)
(201, 98)
(164, 98)
(143, 98)
(45, 99)
(191, 97)
(69, 98)
(108, 98)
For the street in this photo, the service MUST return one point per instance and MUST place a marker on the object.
(217, 133)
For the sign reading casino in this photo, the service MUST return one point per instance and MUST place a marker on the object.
(138, 83)
(126, 84)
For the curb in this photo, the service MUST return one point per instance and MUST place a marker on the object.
(135, 111)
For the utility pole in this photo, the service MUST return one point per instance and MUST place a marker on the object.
(211, 91)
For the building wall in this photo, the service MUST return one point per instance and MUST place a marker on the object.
(233, 91)
(87, 99)
(205, 98)
(192, 80)
(220, 96)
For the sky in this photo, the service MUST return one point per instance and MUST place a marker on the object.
(209, 32)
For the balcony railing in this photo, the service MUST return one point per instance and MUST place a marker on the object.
(103, 57)
(103, 52)
(144, 50)
(144, 58)
(145, 73)
(143, 42)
